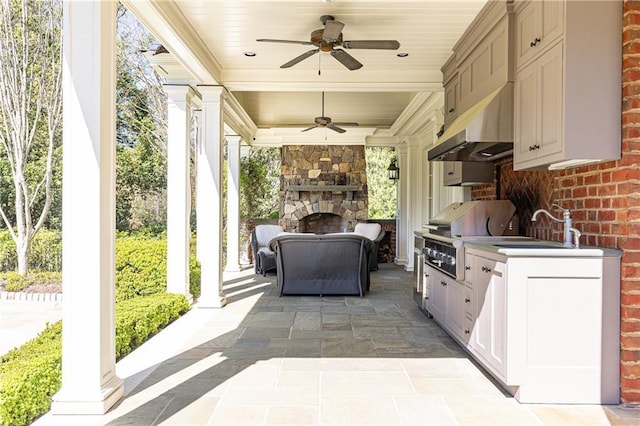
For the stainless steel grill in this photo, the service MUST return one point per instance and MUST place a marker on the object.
(460, 222)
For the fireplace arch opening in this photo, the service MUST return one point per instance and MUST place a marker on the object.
(323, 223)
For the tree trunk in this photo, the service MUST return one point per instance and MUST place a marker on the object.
(22, 248)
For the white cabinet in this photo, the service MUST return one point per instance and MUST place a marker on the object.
(538, 24)
(539, 108)
(451, 92)
(482, 60)
(455, 314)
(568, 79)
(546, 327)
(446, 302)
(450, 100)
(488, 337)
(486, 68)
(437, 302)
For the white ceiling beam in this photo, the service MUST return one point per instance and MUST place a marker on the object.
(360, 81)
(416, 118)
(169, 26)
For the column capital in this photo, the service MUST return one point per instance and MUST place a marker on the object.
(179, 92)
(211, 93)
(233, 139)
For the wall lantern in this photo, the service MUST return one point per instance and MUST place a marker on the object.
(393, 170)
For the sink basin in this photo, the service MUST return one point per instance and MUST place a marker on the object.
(531, 246)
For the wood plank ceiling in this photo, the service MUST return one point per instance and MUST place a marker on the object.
(373, 96)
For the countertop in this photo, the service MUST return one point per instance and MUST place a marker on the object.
(519, 246)
(540, 248)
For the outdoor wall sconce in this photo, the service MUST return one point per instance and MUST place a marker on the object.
(394, 171)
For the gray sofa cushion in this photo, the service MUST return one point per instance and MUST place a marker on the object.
(335, 264)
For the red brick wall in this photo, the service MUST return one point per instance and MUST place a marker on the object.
(604, 199)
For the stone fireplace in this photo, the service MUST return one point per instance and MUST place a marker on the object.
(323, 188)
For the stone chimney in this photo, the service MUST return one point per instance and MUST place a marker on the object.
(320, 183)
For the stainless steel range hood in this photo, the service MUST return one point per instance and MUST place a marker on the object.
(482, 133)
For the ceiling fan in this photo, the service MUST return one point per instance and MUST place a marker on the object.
(323, 121)
(326, 39)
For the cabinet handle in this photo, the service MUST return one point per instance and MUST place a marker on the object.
(467, 300)
(449, 173)
(466, 268)
(452, 109)
(534, 147)
(485, 269)
(466, 332)
(535, 42)
(443, 283)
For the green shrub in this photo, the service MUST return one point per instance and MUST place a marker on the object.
(46, 251)
(8, 255)
(31, 374)
(141, 264)
(141, 267)
(45, 255)
(194, 275)
(140, 318)
(13, 281)
(16, 282)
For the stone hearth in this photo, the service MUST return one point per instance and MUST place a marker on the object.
(323, 179)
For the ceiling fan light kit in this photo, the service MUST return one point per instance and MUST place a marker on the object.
(327, 39)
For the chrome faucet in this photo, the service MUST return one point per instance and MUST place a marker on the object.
(568, 222)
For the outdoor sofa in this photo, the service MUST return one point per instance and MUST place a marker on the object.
(326, 264)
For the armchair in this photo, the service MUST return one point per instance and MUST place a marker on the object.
(264, 259)
(375, 233)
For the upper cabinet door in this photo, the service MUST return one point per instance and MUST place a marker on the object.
(538, 25)
(450, 100)
(551, 96)
(526, 115)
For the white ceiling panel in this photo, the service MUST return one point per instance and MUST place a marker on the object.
(375, 95)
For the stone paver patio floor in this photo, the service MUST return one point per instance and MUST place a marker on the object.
(269, 360)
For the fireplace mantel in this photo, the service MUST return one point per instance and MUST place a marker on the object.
(322, 188)
(349, 189)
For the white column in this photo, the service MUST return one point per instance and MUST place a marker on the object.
(402, 216)
(89, 381)
(178, 188)
(233, 203)
(414, 193)
(209, 198)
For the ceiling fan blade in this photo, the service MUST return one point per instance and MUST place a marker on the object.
(345, 59)
(332, 30)
(345, 123)
(371, 44)
(310, 128)
(300, 58)
(271, 40)
(335, 128)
